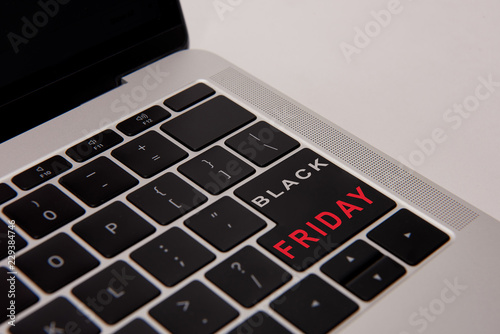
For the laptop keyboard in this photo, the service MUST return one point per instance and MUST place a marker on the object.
(221, 254)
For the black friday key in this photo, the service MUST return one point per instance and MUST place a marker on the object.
(316, 205)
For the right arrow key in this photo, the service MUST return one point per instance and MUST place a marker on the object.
(408, 236)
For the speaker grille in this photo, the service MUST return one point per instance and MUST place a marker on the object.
(402, 182)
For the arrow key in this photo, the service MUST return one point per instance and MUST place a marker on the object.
(376, 278)
(314, 306)
(351, 261)
(408, 236)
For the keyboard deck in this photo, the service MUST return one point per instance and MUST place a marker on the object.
(193, 211)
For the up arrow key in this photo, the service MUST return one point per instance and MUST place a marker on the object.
(315, 304)
(350, 259)
(377, 277)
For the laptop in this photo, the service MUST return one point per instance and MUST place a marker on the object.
(150, 188)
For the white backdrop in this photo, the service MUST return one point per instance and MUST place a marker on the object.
(418, 79)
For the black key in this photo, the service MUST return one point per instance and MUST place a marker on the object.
(189, 97)
(98, 181)
(193, 309)
(41, 172)
(94, 145)
(166, 198)
(59, 316)
(314, 306)
(262, 144)
(260, 323)
(135, 327)
(56, 262)
(376, 278)
(408, 236)
(316, 205)
(43, 211)
(113, 229)
(17, 297)
(216, 170)
(115, 292)
(248, 276)
(363, 270)
(6, 193)
(149, 154)
(225, 224)
(172, 256)
(351, 262)
(207, 123)
(10, 241)
(143, 120)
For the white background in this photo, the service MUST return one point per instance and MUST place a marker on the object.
(425, 57)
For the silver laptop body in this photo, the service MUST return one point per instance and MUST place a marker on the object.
(452, 290)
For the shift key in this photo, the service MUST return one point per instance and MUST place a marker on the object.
(316, 205)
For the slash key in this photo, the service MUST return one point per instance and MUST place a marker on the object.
(248, 276)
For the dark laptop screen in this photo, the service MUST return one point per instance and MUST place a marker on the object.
(56, 54)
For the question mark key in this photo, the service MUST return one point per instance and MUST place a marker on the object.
(248, 276)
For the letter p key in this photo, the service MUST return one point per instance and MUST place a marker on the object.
(111, 227)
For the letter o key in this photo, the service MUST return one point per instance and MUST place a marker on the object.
(49, 215)
(55, 261)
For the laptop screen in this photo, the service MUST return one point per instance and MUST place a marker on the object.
(57, 54)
